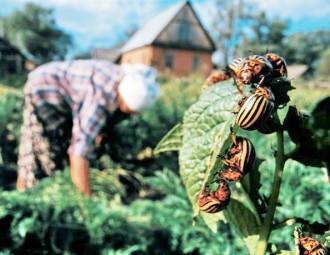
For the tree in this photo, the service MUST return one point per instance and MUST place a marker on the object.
(265, 35)
(227, 25)
(323, 66)
(306, 48)
(34, 31)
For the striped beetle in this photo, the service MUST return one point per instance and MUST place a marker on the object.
(311, 246)
(253, 69)
(213, 202)
(235, 69)
(239, 160)
(256, 109)
(256, 70)
(279, 65)
(236, 66)
(308, 245)
(269, 126)
(215, 77)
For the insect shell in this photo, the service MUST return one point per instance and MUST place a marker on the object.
(269, 126)
(236, 66)
(256, 69)
(240, 159)
(235, 69)
(310, 246)
(279, 65)
(256, 109)
(215, 77)
(253, 69)
(213, 202)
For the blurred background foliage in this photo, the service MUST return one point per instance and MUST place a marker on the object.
(139, 204)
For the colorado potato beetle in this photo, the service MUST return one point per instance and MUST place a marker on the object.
(307, 245)
(256, 70)
(279, 65)
(256, 109)
(240, 159)
(310, 246)
(235, 69)
(236, 66)
(269, 126)
(215, 77)
(213, 202)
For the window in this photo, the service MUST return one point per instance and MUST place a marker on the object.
(168, 60)
(184, 30)
(196, 62)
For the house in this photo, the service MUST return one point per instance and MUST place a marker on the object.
(111, 54)
(174, 41)
(11, 59)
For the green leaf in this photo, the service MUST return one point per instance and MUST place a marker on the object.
(172, 141)
(26, 225)
(245, 221)
(311, 133)
(287, 253)
(206, 134)
(320, 114)
(251, 185)
(280, 88)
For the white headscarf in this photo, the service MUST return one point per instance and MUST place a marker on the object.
(139, 88)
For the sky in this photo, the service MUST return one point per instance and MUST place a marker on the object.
(102, 23)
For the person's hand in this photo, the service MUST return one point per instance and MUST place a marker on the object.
(20, 184)
(79, 167)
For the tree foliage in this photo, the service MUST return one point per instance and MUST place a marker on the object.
(34, 31)
(265, 35)
(323, 65)
(227, 27)
(306, 48)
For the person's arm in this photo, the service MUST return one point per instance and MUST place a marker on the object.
(79, 167)
(87, 124)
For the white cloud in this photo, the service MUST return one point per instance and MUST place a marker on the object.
(99, 23)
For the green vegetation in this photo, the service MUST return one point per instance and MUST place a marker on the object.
(140, 204)
(206, 132)
(144, 209)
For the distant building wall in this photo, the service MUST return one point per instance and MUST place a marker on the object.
(176, 61)
(141, 55)
(182, 62)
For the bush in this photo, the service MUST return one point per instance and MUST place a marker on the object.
(323, 66)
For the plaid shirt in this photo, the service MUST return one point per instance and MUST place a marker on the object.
(85, 88)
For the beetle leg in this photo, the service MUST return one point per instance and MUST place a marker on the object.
(232, 165)
(261, 81)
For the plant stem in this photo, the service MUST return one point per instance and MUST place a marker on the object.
(267, 224)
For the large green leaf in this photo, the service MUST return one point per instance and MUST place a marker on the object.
(245, 221)
(206, 134)
(207, 129)
(172, 141)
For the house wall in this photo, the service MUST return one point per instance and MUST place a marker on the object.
(179, 62)
(141, 55)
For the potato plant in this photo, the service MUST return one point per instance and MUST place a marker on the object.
(204, 138)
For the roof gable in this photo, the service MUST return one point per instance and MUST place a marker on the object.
(185, 31)
(149, 32)
(177, 27)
